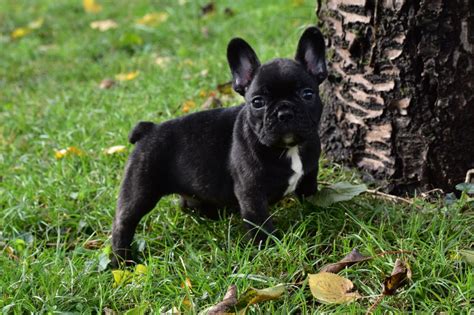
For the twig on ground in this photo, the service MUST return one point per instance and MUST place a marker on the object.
(374, 306)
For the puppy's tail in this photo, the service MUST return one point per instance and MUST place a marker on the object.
(141, 129)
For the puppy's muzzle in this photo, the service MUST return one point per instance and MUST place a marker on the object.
(285, 115)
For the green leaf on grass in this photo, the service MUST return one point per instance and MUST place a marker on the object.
(125, 276)
(468, 188)
(104, 261)
(468, 256)
(342, 191)
(138, 310)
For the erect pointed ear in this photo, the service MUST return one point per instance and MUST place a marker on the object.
(243, 64)
(311, 53)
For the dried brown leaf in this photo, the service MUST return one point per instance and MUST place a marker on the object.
(352, 258)
(212, 102)
(227, 303)
(208, 8)
(400, 275)
(107, 84)
(225, 88)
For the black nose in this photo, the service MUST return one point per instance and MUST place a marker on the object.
(285, 115)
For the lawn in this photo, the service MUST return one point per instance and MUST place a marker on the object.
(56, 209)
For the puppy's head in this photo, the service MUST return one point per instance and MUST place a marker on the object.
(282, 96)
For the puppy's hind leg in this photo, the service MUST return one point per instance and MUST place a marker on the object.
(138, 196)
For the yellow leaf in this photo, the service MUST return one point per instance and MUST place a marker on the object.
(36, 24)
(121, 277)
(115, 149)
(253, 296)
(103, 25)
(330, 288)
(187, 106)
(127, 76)
(59, 154)
(140, 270)
(90, 6)
(20, 32)
(162, 61)
(153, 19)
(187, 284)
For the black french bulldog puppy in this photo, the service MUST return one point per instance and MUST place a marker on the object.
(244, 157)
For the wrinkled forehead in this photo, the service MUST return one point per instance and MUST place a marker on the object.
(279, 76)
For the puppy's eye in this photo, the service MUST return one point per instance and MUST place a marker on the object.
(258, 102)
(307, 94)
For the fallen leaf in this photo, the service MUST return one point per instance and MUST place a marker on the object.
(137, 310)
(93, 244)
(342, 191)
(162, 61)
(153, 19)
(187, 106)
(23, 31)
(107, 84)
(188, 305)
(104, 261)
(208, 8)
(36, 24)
(90, 6)
(103, 25)
(125, 276)
(211, 102)
(187, 284)
(121, 277)
(400, 275)
(115, 149)
(468, 256)
(172, 311)
(127, 76)
(20, 32)
(140, 270)
(330, 288)
(108, 311)
(226, 305)
(10, 252)
(352, 258)
(225, 88)
(253, 296)
(468, 188)
(59, 154)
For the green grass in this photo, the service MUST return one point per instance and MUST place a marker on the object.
(53, 211)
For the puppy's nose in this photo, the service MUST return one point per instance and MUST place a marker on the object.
(285, 115)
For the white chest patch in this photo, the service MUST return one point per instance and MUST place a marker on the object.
(297, 167)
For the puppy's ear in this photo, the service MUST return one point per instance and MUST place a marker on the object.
(311, 53)
(243, 64)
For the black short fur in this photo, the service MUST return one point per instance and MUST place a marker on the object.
(238, 157)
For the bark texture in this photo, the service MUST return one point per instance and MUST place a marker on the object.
(399, 101)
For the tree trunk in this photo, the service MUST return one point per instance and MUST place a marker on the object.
(399, 99)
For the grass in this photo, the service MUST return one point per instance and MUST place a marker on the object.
(55, 215)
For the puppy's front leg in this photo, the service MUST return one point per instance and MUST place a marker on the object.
(254, 210)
